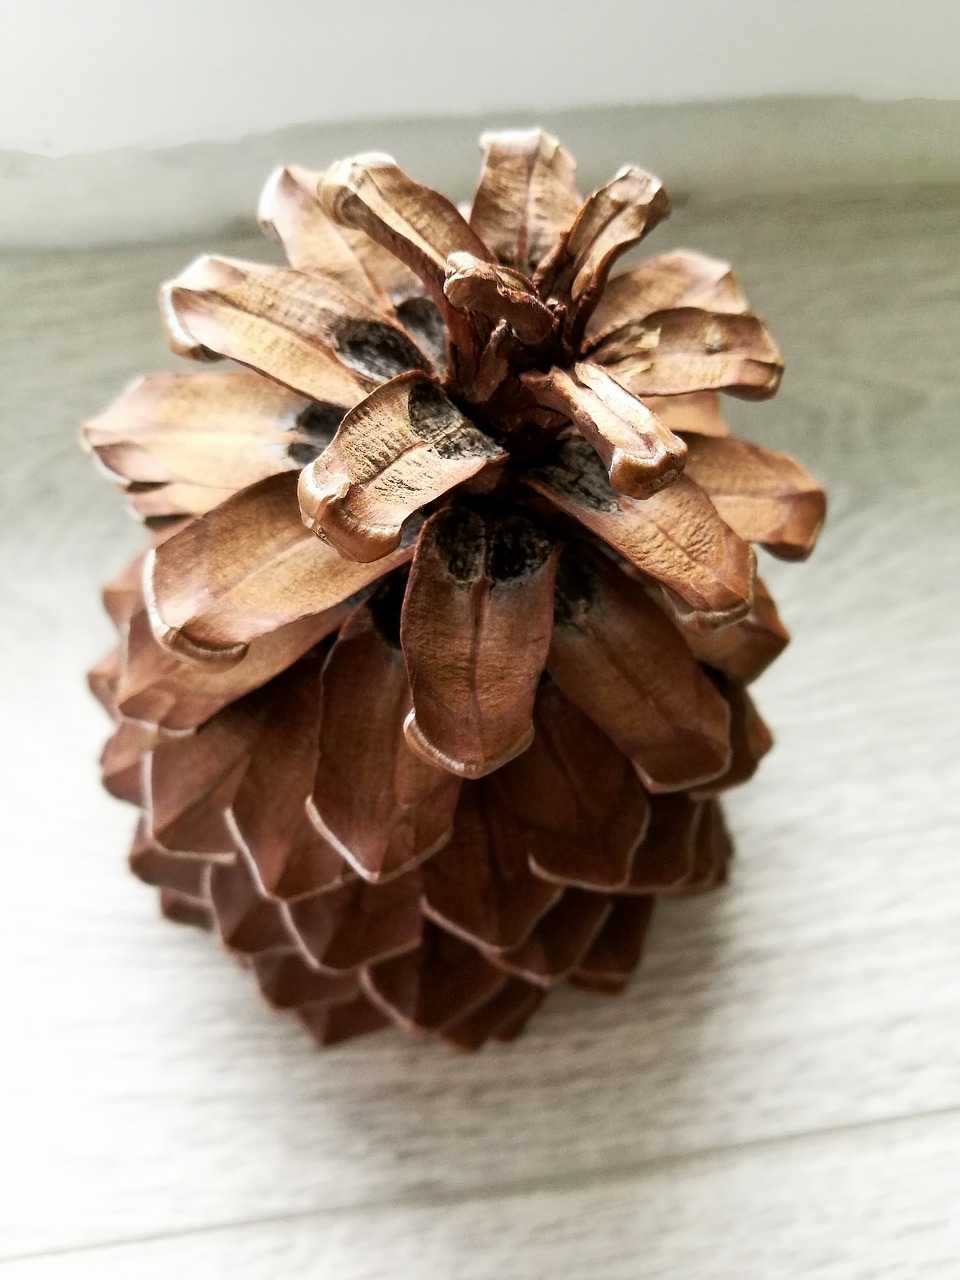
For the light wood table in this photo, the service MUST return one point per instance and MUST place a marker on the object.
(778, 1093)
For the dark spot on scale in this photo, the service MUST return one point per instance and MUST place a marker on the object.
(577, 473)
(421, 318)
(410, 531)
(460, 537)
(516, 549)
(432, 415)
(301, 453)
(312, 430)
(474, 544)
(438, 421)
(377, 349)
(385, 604)
(576, 587)
(156, 524)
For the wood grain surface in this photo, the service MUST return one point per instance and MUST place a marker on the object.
(779, 1091)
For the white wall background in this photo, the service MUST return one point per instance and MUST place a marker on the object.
(80, 76)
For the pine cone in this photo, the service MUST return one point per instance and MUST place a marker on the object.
(446, 754)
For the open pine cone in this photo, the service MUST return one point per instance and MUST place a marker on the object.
(446, 754)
